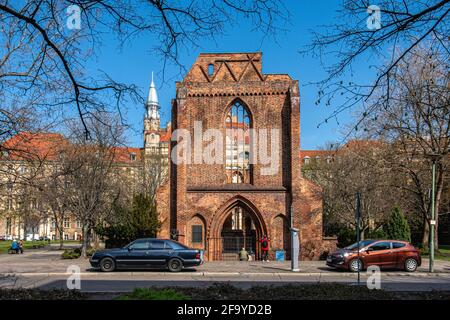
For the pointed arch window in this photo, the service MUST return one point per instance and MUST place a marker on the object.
(237, 142)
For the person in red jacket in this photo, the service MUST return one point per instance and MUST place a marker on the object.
(265, 247)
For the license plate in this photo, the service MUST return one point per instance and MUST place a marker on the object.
(329, 259)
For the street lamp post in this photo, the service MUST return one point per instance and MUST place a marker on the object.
(434, 158)
(295, 243)
(432, 221)
(358, 222)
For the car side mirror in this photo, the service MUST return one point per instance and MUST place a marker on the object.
(368, 250)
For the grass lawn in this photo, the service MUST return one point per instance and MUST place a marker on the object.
(152, 294)
(66, 241)
(5, 245)
(443, 254)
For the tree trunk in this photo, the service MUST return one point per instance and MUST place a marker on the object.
(426, 234)
(18, 230)
(96, 241)
(61, 236)
(361, 234)
(85, 241)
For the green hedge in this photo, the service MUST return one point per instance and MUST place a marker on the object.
(71, 254)
(76, 253)
(154, 294)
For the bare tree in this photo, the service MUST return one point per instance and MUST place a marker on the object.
(92, 191)
(358, 166)
(42, 60)
(54, 192)
(28, 208)
(155, 173)
(416, 119)
(404, 25)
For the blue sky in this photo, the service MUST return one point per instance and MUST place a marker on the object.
(135, 62)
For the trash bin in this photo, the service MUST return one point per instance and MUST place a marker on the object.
(280, 255)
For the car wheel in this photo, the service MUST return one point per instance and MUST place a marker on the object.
(355, 265)
(107, 265)
(175, 265)
(410, 265)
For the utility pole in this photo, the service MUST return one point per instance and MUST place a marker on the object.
(295, 245)
(357, 220)
(434, 158)
(432, 221)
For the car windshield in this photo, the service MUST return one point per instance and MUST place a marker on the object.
(362, 244)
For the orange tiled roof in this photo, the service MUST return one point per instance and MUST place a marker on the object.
(123, 154)
(315, 153)
(165, 136)
(351, 144)
(28, 145)
(362, 143)
(46, 146)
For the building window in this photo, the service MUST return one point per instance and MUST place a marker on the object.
(79, 225)
(132, 156)
(237, 219)
(8, 226)
(66, 237)
(317, 159)
(66, 223)
(210, 69)
(237, 177)
(9, 204)
(197, 234)
(328, 159)
(237, 126)
(306, 160)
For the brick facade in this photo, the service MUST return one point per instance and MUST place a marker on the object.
(201, 195)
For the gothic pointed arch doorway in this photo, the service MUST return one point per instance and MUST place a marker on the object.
(238, 225)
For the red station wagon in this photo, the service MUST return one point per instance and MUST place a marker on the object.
(388, 254)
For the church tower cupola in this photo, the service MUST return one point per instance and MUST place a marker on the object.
(152, 117)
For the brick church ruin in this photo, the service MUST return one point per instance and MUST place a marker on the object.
(224, 207)
(220, 206)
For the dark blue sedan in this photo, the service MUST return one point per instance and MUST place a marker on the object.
(146, 254)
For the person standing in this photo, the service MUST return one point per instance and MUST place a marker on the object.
(21, 246)
(265, 247)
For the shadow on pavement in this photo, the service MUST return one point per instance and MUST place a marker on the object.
(187, 270)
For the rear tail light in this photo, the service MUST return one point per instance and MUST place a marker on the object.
(198, 256)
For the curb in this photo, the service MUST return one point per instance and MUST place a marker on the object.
(223, 274)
